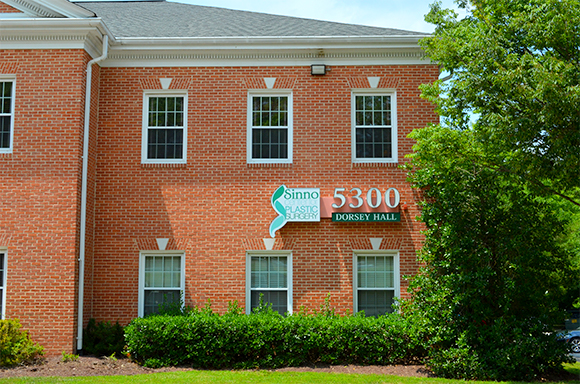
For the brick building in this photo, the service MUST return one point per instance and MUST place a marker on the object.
(154, 149)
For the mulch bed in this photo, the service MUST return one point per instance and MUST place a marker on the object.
(93, 366)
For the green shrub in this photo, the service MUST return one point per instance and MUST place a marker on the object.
(16, 346)
(505, 350)
(103, 338)
(266, 339)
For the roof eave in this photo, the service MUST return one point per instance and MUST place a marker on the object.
(51, 33)
(49, 8)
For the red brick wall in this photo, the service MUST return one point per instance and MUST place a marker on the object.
(4, 8)
(217, 206)
(39, 197)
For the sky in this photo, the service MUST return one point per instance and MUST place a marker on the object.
(400, 14)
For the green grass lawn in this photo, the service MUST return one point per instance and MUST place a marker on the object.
(251, 377)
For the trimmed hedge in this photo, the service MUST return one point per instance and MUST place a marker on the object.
(203, 339)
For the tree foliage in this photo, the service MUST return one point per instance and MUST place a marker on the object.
(515, 65)
(494, 271)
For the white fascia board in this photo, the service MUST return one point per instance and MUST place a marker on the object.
(183, 58)
(49, 8)
(32, 33)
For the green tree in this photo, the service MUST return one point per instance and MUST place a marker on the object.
(500, 178)
(515, 64)
(494, 271)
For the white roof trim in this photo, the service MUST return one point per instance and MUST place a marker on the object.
(49, 8)
(53, 33)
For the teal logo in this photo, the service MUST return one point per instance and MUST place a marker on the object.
(294, 204)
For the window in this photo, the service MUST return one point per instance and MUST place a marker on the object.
(269, 275)
(161, 280)
(270, 128)
(164, 128)
(376, 282)
(374, 128)
(2, 285)
(6, 115)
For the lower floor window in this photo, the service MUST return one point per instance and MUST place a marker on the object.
(2, 284)
(269, 281)
(161, 281)
(376, 282)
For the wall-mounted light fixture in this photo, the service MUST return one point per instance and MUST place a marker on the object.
(318, 69)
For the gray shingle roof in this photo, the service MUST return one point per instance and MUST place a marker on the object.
(168, 19)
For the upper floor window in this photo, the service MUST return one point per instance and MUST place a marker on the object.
(164, 128)
(6, 115)
(270, 128)
(374, 136)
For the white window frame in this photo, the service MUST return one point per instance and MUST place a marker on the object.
(3, 281)
(396, 273)
(249, 255)
(145, 125)
(269, 93)
(394, 131)
(11, 114)
(142, 256)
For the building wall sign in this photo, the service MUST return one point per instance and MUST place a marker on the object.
(354, 205)
(366, 217)
(294, 204)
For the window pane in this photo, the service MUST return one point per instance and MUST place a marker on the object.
(373, 142)
(265, 104)
(368, 118)
(284, 104)
(157, 279)
(375, 303)
(170, 120)
(265, 118)
(278, 299)
(170, 104)
(162, 272)
(368, 106)
(6, 97)
(269, 272)
(1, 274)
(256, 104)
(152, 300)
(283, 118)
(375, 272)
(256, 121)
(165, 144)
(6, 87)
(386, 118)
(359, 101)
(378, 103)
(4, 131)
(162, 104)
